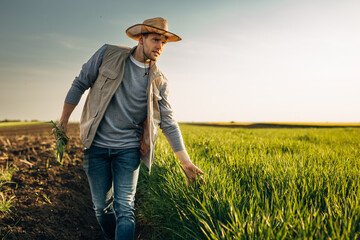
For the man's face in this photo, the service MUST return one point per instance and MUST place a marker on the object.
(153, 45)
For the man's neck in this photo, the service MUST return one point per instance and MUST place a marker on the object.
(139, 55)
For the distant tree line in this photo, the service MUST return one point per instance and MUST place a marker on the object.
(16, 120)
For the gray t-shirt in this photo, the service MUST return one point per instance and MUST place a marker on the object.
(121, 125)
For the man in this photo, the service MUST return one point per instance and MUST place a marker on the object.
(127, 101)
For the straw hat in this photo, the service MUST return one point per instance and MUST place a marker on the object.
(152, 25)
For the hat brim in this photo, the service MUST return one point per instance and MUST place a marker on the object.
(135, 31)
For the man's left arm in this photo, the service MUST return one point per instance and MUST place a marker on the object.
(171, 130)
(192, 171)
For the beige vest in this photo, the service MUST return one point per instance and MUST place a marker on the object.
(111, 73)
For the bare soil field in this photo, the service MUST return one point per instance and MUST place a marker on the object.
(52, 200)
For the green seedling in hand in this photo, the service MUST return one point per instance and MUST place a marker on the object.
(61, 140)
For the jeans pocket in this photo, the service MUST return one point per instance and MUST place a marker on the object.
(131, 158)
(93, 155)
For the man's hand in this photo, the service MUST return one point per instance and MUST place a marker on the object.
(61, 126)
(192, 172)
(68, 108)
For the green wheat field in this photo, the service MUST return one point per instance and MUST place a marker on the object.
(261, 184)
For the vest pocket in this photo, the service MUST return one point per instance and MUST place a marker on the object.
(100, 90)
(95, 95)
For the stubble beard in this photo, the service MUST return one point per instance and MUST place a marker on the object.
(148, 55)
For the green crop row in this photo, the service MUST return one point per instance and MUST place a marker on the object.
(261, 184)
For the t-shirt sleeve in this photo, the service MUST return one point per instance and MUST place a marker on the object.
(168, 124)
(86, 78)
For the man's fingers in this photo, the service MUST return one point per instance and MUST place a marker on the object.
(202, 180)
(195, 175)
(198, 171)
(53, 131)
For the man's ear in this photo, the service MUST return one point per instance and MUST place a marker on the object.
(141, 39)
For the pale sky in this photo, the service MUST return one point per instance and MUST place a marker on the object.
(243, 61)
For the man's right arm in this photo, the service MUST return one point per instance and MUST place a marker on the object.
(66, 112)
(84, 81)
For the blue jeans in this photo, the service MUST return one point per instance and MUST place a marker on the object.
(113, 176)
